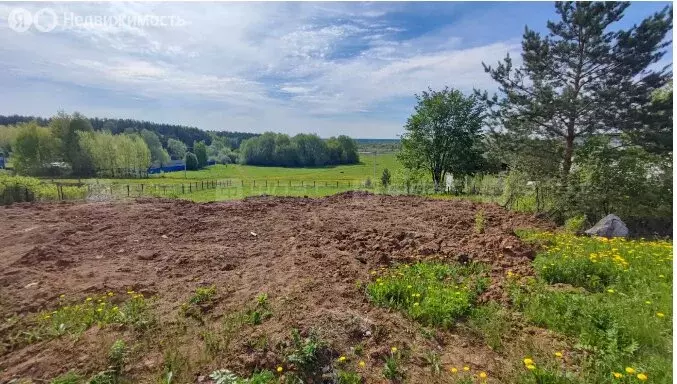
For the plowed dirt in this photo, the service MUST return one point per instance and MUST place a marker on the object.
(306, 254)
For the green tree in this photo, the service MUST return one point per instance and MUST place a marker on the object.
(654, 123)
(385, 178)
(34, 148)
(584, 78)
(66, 128)
(191, 161)
(443, 135)
(176, 148)
(158, 155)
(7, 137)
(200, 150)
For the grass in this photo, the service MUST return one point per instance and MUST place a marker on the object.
(97, 310)
(621, 313)
(356, 173)
(431, 293)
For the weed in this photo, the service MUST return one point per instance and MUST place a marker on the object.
(224, 376)
(480, 221)
(67, 378)
(203, 295)
(199, 303)
(262, 300)
(434, 361)
(76, 318)
(491, 322)
(306, 354)
(262, 377)
(391, 369)
(117, 356)
(575, 224)
(348, 377)
(213, 342)
(432, 293)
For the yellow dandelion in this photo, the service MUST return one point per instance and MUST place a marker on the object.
(641, 377)
(558, 355)
(342, 359)
(110, 293)
(279, 369)
(528, 361)
(483, 375)
(660, 314)
(393, 349)
(361, 364)
(617, 375)
(89, 299)
(531, 367)
(610, 290)
(454, 370)
(466, 368)
(61, 296)
(629, 370)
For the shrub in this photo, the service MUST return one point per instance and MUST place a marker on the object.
(191, 162)
(576, 223)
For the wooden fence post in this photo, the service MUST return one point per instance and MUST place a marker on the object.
(127, 189)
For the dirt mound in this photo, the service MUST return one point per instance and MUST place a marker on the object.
(307, 254)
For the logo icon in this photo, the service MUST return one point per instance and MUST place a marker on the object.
(45, 20)
(20, 19)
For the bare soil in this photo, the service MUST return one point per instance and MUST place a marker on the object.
(308, 255)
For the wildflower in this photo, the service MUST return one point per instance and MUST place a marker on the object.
(610, 290)
(647, 302)
(61, 296)
(110, 294)
(483, 375)
(528, 361)
(454, 369)
(531, 367)
(393, 349)
(629, 370)
(660, 314)
(89, 299)
(617, 375)
(342, 359)
(558, 355)
(361, 364)
(641, 377)
(466, 368)
(279, 369)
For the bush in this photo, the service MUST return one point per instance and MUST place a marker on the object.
(576, 223)
(191, 162)
(14, 189)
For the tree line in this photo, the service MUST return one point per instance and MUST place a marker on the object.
(584, 123)
(302, 150)
(185, 134)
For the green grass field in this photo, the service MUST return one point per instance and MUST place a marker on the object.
(237, 173)
(236, 181)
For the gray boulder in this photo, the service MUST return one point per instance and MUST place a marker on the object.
(609, 226)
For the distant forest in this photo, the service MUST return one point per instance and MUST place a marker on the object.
(185, 134)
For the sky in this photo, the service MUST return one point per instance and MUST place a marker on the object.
(328, 68)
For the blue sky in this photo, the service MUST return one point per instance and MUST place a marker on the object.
(326, 68)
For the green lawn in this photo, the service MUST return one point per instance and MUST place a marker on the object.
(237, 173)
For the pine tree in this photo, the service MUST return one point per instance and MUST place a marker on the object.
(584, 78)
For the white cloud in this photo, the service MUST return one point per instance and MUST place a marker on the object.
(253, 67)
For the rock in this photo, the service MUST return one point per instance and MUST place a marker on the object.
(29, 285)
(609, 226)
